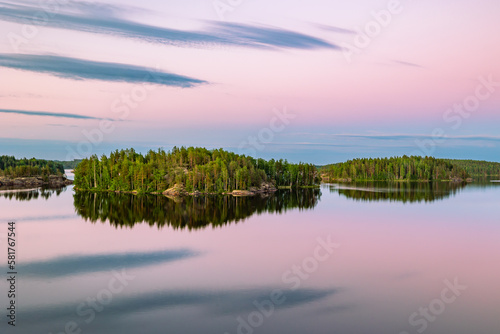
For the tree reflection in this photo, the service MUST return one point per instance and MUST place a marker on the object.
(188, 212)
(406, 192)
(30, 194)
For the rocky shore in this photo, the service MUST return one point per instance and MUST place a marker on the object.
(37, 181)
(179, 190)
(460, 180)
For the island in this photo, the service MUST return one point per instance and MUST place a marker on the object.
(31, 173)
(408, 168)
(195, 171)
(191, 171)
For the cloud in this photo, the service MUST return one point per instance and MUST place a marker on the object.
(23, 96)
(333, 28)
(396, 136)
(101, 19)
(47, 114)
(405, 63)
(253, 36)
(80, 69)
(62, 125)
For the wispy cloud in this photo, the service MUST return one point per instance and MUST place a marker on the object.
(22, 96)
(254, 36)
(405, 63)
(62, 125)
(394, 136)
(101, 19)
(333, 28)
(47, 114)
(80, 69)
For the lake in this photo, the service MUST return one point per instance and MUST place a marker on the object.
(347, 258)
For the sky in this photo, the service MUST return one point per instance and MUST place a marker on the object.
(319, 81)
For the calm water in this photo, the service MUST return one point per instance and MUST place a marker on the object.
(242, 265)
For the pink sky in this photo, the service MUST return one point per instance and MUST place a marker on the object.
(426, 59)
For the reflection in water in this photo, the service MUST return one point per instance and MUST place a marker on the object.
(20, 194)
(81, 264)
(203, 282)
(486, 182)
(406, 192)
(187, 212)
(228, 302)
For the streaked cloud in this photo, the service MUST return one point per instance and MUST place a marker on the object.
(405, 63)
(61, 125)
(331, 28)
(255, 36)
(22, 96)
(395, 136)
(80, 69)
(47, 114)
(105, 19)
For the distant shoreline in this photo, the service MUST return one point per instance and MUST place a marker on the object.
(349, 180)
(177, 192)
(35, 181)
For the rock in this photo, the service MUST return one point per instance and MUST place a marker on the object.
(38, 181)
(18, 182)
(242, 193)
(176, 190)
(6, 182)
(267, 188)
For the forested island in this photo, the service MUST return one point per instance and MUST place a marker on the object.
(193, 171)
(196, 171)
(404, 168)
(478, 168)
(31, 172)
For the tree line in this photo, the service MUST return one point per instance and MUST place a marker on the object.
(12, 167)
(478, 168)
(70, 164)
(197, 169)
(411, 168)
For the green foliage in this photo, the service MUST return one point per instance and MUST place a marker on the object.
(197, 169)
(478, 168)
(12, 167)
(70, 164)
(397, 168)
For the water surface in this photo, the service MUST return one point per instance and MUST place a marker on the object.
(201, 265)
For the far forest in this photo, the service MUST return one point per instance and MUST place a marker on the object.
(404, 168)
(15, 168)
